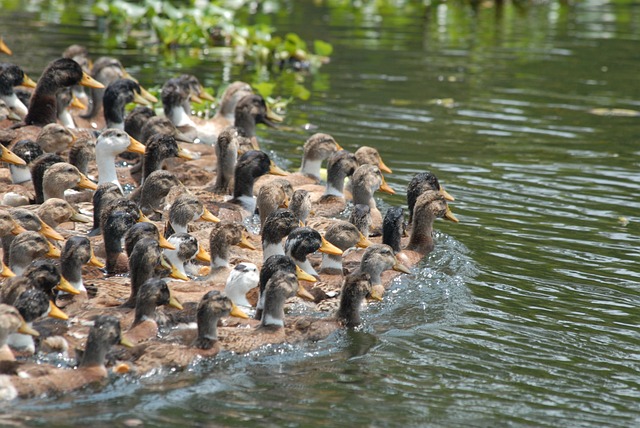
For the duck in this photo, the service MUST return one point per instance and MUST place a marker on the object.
(250, 111)
(242, 278)
(59, 73)
(105, 70)
(76, 253)
(270, 330)
(110, 144)
(182, 350)
(281, 263)
(226, 113)
(162, 125)
(103, 334)
(61, 176)
(227, 148)
(12, 75)
(136, 119)
(28, 246)
(222, 237)
(42, 274)
(38, 167)
(303, 241)
(377, 259)
(11, 322)
(154, 190)
(356, 287)
(420, 183)
(250, 166)
(65, 100)
(7, 116)
(27, 220)
(114, 226)
(300, 205)
(82, 152)
(145, 229)
(185, 209)
(332, 202)
(55, 211)
(429, 206)
(28, 151)
(366, 155)
(8, 225)
(55, 138)
(11, 158)
(394, 228)
(277, 226)
(276, 194)
(366, 180)
(360, 217)
(103, 196)
(186, 248)
(343, 235)
(153, 292)
(79, 54)
(117, 95)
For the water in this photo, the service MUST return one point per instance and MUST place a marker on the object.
(525, 314)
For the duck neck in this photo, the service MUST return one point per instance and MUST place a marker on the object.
(243, 183)
(331, 264)
(152, 161)
(51, 190)
(106, 163)
(363, 195)
(179, 116)
(138, 276)
(65, 118)
(95, 352)
(245, 122)
(349, 309)
(114, 112)
(305, 265)
(42, 108)
(22, 342)
(71, 269)
(273, 309)
(374, 270)
(335, 182)
(14, 103)
(311, 167)
(19, 174)
(271, 249)
(238, 294)
(421, 240)
(174, 259)
(207, 329)
(224, 177)
(220, 251)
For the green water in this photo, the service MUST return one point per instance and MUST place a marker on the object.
(526, 312)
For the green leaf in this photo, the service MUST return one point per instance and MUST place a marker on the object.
(301, 92)
(264, 88)
(322, 48)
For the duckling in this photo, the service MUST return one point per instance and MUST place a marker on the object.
(11, 322)
(135, 121)
(186, 247)
(8, 225)
(280, 287)
(114, 226)
(419, 184)
(117, 95)
(28, 151)
(77, 252)
(376, 259)
(343, 235)
(205, 344)
(38, 167)
(243, 278)
(154, 191)
(226, 113)
(162, 125)
(250, 166)
(12, 75)
(276, 194)
(65, 100)
(251, 110)
(300, 205)
(61, 176)
(55, 138)
(29, 246)
(144, 229)
(280, 263)
(316, 149)
(54, 212)
(111, 143)
(58, 74)
(429, 206)
(360, 217)
(82, 153)
(366, 180)
(42, 274)
(104, 334)
(176, 95)
(27, 220)
(152, 293)
(222, 237)
(105, 70)
(276, 227)
(185, 209)
(393, 228)
(356, 287)
(305, 240)
(341, 165)
(369, 156)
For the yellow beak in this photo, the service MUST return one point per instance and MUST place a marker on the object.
(93, 261)
(90, 82)
(80, 218)
(147, 95)
(375, 295)
(304, 294)
(175, 273)
(384, 168)
(10, 157)
(449, 216)
(145, 219)
(303, 276)
(244, 243)
(65, 286)
(165, 244)
(6, 272)
(55, 312)
(173, 302)
(275, 170)
(141, 100)
(76, 103)
(17, 228)
(85, 183)
(384, 187)
(328, 248)
(49, 232)
(237, 312)
(203, 255)
(447, 196)
(195, 99)
(400, 267)
(363, 242)
(206, 96)
(184, 154)
(124, 341)
(271, 115)
(53, 251)
(27, 329)
(4, 48)
(27, 82)
(135, 146)
(207, 216)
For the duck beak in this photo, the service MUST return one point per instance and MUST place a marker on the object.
(284, 204)
(125, 341)
(76, 103)
(203, 255)
(271, 115)
(6, 272)
(93, 261)
(65, 286)
(176, 274)
(80, 218)
(55, 312)
(275, 170)
(338, 147)
(303, 276)
(382, 167)
(363, 242)
(304, 294)
(10, 157)
(27, 329)
(237, 312)
(207, 216)
(328, 248)
(446, 195)
(144, 219)
(165, 244)
(375, 295)
(90, 82)
(173, 302)
(254, 143)
(147, 95)
(245, 243)
(4, 48)
(448, 215)
(27, 82)
(135, 146)
(206, 96)
(50, 232)
(140, 100)
(399, 267)
(195, 99)
(53, 251)
(184, 154)
(384, 187)
(17, 228)
(85, 183)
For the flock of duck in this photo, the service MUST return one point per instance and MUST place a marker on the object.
(129, 240)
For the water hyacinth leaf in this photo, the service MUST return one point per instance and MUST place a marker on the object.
(322, 48)
(264, 88)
